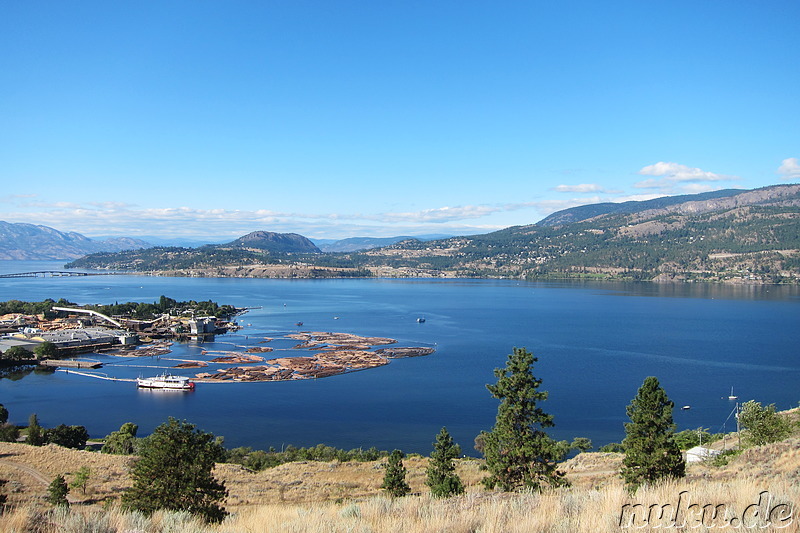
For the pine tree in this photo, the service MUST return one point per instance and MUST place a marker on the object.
(651, 453)
(394, 480)
(35, 431)
(174, 472)
(441, 471)
(518, 451)
(57, 492)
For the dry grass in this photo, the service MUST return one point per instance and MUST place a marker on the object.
(108, 472)
(570, 510)
(333, 497)
(565, 510)
(314, 481)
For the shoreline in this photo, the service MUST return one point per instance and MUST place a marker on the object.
(312, 272)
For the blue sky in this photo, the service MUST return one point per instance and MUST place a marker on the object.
(333, 119)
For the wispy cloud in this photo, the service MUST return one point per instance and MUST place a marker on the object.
(15, 198)
(444, 214)
(789, 169)
(580, 188)
(674, 178)
(114, 218)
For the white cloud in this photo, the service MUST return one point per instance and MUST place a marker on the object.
(678, 172)
(636, 197)
(114, 218)
(580, 188)
(674, 178)
(696, 188)
(790, 169)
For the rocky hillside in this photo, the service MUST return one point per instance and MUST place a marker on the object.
(274, 242)
(38, 243)
(585, 212)
(751, 236)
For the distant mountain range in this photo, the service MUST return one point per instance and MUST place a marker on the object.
(731, 235)
(745, 235)
(585, 212)
(33, 243)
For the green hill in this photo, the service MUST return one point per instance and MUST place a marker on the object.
(749, 236)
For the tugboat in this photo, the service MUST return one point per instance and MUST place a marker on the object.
(166, 382)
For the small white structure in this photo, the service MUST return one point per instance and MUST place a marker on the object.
(700, 453)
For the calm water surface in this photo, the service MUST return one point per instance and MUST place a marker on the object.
(595, 343)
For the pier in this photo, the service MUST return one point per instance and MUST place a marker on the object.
(70, 363)
(98, 376)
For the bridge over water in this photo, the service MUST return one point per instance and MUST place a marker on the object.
(54, 274)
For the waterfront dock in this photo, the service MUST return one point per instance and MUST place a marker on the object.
(70, 363)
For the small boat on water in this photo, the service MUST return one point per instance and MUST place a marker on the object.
(732, 396)
(166, 382)
(421, 320)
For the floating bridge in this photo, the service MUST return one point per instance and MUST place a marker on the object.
(53, 274)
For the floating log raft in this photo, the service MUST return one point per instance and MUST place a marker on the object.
(337, 353)
(235, 359)
(397, 353)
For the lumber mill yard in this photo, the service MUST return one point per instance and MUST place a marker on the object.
(85, 339)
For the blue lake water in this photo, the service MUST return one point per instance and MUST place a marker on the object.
(596, 342)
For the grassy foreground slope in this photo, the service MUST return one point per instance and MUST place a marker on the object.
(316, 496)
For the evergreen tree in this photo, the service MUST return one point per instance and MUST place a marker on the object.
(582, 444)
(651, 453)
(3, 414)
(57, 492)
(441, 472)
(394, 480)
(174, 472)
(35, 431)
(518, 451)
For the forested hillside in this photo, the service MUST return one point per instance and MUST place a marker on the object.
(751, 236)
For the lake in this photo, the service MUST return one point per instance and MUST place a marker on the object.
(595, 343)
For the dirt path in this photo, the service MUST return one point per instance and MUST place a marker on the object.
(35, 474)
